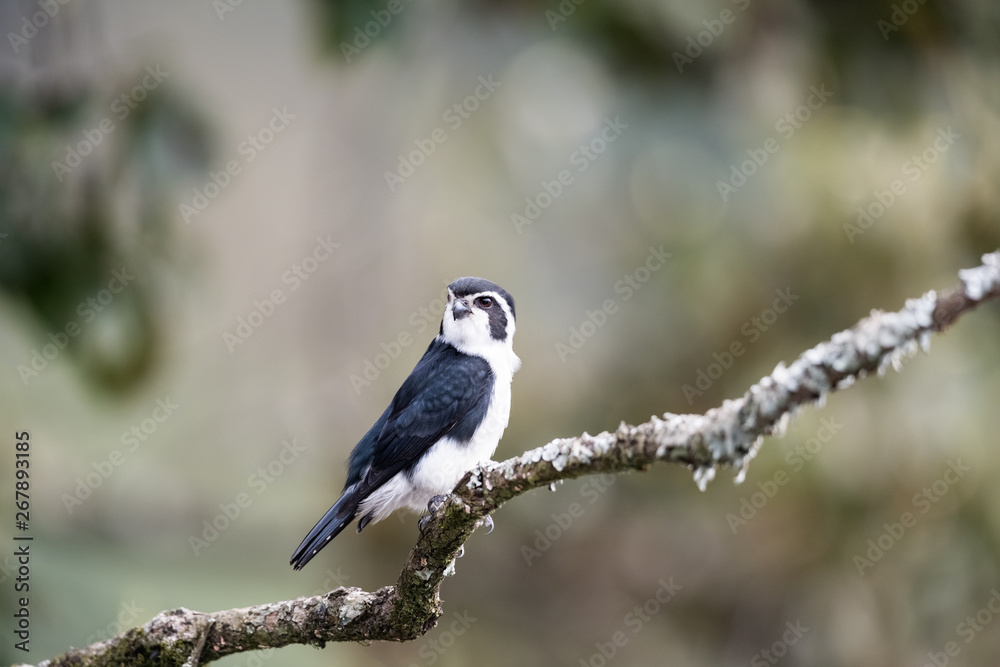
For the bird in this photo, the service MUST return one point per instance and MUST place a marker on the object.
(447, 417)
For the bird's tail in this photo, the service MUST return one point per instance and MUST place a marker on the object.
(333, 522)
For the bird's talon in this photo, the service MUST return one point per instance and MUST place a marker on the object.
(436, 503)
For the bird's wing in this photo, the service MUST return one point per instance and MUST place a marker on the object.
(447, 393)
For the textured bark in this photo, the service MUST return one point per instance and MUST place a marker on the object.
(725, 436)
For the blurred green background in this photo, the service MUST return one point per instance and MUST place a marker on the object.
(284, 189)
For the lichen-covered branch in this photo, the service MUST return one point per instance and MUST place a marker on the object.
(727, 436)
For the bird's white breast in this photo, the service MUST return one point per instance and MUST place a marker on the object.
(445, 462)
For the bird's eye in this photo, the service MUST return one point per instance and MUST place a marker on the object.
(484, 302)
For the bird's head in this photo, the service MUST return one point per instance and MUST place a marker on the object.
(479, 318)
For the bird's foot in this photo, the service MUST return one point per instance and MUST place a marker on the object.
(436, 503)
(433, 507)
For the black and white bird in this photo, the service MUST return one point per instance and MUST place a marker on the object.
(447, 416)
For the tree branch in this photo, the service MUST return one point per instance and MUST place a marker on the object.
(729, 435)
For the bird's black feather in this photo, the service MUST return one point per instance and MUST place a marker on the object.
(448, 393)
(449, 396)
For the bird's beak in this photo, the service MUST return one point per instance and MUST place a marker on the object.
(459, 309)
